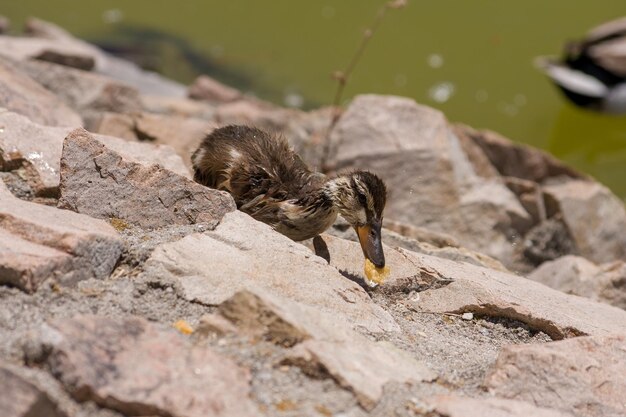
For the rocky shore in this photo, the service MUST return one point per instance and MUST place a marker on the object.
(127, 289)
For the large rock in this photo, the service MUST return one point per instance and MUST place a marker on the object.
(38, 242)
(516, 160)
(88, 93)
(456, 406)
(183, 134)
(21, 94)
(131, 366)
(576, 275)
(98, 181)
(500, 294)
(37, 150)
(22, 398)
(325, 343)
(431, 181)
(49, 42)
(584, 375)
(242, 253)
(211, 90)
(596, 218)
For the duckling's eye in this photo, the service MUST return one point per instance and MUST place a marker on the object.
(362, 199)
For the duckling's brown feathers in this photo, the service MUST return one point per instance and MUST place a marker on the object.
(266, 179)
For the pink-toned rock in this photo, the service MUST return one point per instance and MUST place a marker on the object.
(37, 150)
(38, 242)
(86, 92)
(64, 45)
(432, 182)
(575, 275)
(595, 217)
(324, 343)
(183, 134)
(177, 106)
(99, 182)
(456, 406)
(133, 367)
(22, 398)
(211, 90)
(21, 94)
(584, 375)
(516, 160)
(500, 294)
(246, 254)
(62, 52)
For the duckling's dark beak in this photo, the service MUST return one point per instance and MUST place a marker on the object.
(371, 243)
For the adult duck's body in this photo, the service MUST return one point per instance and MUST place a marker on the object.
(592, 73)
(272, 184)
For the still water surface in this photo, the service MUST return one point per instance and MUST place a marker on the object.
(471, 59)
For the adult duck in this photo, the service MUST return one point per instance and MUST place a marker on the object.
(592, 73)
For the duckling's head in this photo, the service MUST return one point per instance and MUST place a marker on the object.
(360, 198)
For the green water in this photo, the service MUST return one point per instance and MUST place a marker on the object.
(471, 59)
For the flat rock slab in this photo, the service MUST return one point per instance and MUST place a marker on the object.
(576, 275)
(22, 398)
(322, 342)
(37, 149)
(242, 253)
(456, 406)
(363, 370)
(584, 375)
(501, 294)
(38, 242)
(595, 218)
(98, 181)
(131, 366)
(23, 95)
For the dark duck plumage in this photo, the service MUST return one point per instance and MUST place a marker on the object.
(272, 184)
(592, 73)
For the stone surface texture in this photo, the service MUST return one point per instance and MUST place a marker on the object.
(242, 253)
(21, 94)
(183, 134)
(209, 89)
(576, 275)
(39, 242)
(456, 406)
(596, 218)
(132, 366)
(22, 398)
(494, 293)
(36, 150)
(99, 182)
(355, 362)
(584, 375)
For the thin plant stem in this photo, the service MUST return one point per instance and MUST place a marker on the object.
(342, 77)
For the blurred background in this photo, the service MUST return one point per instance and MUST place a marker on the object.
(471, 59)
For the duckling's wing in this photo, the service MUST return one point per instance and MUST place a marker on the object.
(256, 168)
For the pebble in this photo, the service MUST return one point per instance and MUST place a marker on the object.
(467, 316)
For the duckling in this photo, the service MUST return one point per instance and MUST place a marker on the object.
(270, 182)
(592, 74)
